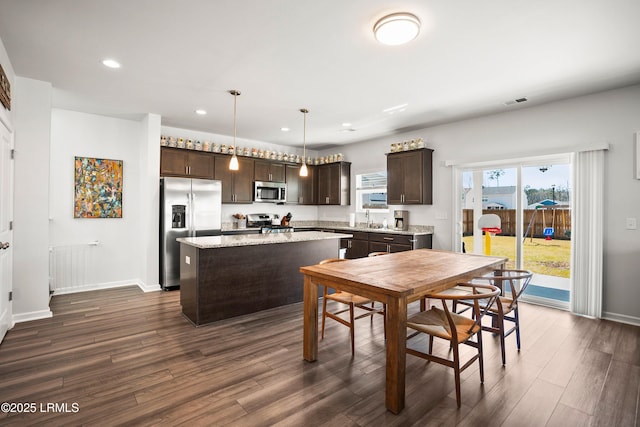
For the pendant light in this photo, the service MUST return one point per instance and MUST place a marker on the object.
(303, 169)
(233, 164)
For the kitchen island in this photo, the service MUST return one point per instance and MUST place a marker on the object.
(228, 276)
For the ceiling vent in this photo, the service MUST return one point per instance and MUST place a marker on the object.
(516, 101)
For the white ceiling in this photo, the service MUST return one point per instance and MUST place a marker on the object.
(180, 55)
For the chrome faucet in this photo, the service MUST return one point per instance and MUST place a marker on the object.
(368, 216)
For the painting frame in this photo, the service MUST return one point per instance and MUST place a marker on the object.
(98, 187)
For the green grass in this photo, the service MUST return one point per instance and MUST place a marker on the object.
(551, 257)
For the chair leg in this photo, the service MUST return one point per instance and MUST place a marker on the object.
(517, 320)
(501, 326)
(456, 370)
(430, 344)
(351, 328)
(480, 356)
(384, 319)
(324, 315)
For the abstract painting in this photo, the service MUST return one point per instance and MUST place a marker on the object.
(98, 188)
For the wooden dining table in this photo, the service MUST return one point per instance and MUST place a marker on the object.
(396, 280)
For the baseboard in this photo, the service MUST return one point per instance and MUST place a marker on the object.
(149, 288)
(622, 318)
(6, 323)
(33, 315)
(547, 302)
(108, 285)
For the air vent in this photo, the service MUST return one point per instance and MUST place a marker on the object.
(516, 101)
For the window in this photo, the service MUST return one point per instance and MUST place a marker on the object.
(371, 192)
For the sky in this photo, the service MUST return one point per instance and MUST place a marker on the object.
(558, 175)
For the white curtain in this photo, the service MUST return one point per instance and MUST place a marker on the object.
(586, 262)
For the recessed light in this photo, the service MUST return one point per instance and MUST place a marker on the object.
(201, 112)
(346, 124)
(285, 129)
(111, 63)
(397, 29)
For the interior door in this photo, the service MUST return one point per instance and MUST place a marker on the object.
(6, 241)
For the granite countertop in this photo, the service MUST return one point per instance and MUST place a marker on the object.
(413, 231)
(208, 242)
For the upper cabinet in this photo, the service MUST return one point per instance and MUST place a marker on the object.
(334, 184)
(186, 163)
(410, 177)
(269, 171)
(301, 189)
(237, 186)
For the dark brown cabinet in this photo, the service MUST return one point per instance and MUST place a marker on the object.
(186, 163)
(381, 242)
(334, 183)
(269, 171)
(300, 189)
(410, 177)
(237, 186)
(363, 243)
(357, 246)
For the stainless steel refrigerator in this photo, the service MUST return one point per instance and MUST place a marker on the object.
(188, 208)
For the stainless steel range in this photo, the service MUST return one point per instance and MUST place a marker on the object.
(267, 223)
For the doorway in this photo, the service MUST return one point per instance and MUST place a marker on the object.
(6, 241)
(532, 197)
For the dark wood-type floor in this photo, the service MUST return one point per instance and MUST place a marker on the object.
(129, 358)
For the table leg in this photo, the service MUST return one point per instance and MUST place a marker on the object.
(310, 335)
(396, 353)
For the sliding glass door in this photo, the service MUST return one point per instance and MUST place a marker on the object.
(532, 198)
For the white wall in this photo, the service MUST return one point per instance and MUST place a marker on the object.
(31, 174)
(121, 257)
(612, 117)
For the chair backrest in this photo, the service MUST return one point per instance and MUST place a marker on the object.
(378, 253)
(478, 291)
(325, 291)
(518, 280)
(329, 260)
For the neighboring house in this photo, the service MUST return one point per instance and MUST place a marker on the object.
(493, 197)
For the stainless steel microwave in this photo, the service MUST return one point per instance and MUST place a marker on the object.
(274, 192)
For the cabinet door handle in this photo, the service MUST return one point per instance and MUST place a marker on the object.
(389, 248)
(388, 238)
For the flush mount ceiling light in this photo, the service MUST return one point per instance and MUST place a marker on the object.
(201, 112)
(233, 164)
(303, 170)
(397, 28)
(111, 63)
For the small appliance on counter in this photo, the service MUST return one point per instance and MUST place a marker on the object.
(401, 220)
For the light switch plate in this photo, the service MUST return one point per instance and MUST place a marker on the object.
(187, 260)
(631, 224)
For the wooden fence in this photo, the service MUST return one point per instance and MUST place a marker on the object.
(559, 219)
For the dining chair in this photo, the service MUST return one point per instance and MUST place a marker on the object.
(457, 329)
(505, 308)
(377, 253)
(353, 301)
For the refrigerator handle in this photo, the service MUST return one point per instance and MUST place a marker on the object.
(191, 225)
